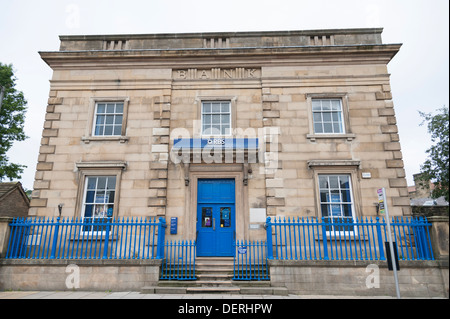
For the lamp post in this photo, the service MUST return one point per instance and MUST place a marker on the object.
(60, 206)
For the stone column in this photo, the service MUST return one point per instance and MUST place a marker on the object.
(438, 216)
(439, 236)
(4, 235)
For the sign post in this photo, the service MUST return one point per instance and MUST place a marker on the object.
(383, 209)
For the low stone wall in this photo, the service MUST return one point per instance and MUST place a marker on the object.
(428, 211)
(4, 234)
(91, 275)
(438, 216)
(353, 278)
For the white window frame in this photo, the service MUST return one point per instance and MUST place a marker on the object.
(96, 114)
(347, 131)
(340, 113)
(89, 134)
(94, 203)
(334, 232)
(229, 113)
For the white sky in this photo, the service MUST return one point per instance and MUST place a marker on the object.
(420, 71)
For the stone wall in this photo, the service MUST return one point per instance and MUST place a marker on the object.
(428, 211)
(221, 39)
(94, 275)
(416, 279)
(424, 279)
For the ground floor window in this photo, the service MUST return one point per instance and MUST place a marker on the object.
(336, 201)
(98, 201)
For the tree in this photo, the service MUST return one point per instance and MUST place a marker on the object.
(12, 118)
(435, 168)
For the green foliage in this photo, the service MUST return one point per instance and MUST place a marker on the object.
(435, 168)
(12, 118)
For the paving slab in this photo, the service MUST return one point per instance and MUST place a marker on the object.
(16, 294)
(117, 295)
(139, 295)
(96, 295)
(39, 295)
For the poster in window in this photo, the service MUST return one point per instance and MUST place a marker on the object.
(206, 216)
(225, 217)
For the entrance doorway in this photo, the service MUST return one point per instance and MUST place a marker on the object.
(216, 217)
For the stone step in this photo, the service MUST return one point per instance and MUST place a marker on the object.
(214, 267)
(202, 261)
(214, 276)
(215, 283)
(214, 259)
(213, 290)
(232, 289)
(213, 270)
(221, 265)
(248, 283)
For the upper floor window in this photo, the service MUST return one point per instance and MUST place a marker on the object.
(108, 119)
(216, 118)
(327, 116)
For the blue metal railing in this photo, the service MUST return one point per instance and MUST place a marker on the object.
(86, 238)
(179, 260)
(346, 238)
(287, 239)
(250, 260)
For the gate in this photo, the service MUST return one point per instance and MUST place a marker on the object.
(250, 260)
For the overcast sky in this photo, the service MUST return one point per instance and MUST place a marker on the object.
(419, 72)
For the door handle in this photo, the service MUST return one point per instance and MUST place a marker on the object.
(214, 224)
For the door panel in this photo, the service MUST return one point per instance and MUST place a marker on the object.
(216, 218)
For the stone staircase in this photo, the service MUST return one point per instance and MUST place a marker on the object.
(214, 276)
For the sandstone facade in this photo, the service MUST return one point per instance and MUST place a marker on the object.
(271, 81)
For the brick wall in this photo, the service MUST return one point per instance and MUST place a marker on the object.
(13, 205)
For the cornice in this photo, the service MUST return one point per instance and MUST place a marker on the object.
(376, 53)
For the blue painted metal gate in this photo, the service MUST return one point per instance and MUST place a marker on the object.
(216, 217)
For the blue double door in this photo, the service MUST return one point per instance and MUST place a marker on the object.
(216, 217)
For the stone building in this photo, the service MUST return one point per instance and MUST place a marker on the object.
(14, 202)
(217, 131)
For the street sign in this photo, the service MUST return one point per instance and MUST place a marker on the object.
(173, 225)
(242, 250)
(382, 201)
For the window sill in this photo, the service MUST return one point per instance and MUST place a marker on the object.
(88, 139)
(314, 137)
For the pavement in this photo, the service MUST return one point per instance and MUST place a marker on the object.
(138, 295)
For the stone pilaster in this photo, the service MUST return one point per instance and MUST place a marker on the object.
(395, 162)
(37, 198)
(272, 164)
(160, 155)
